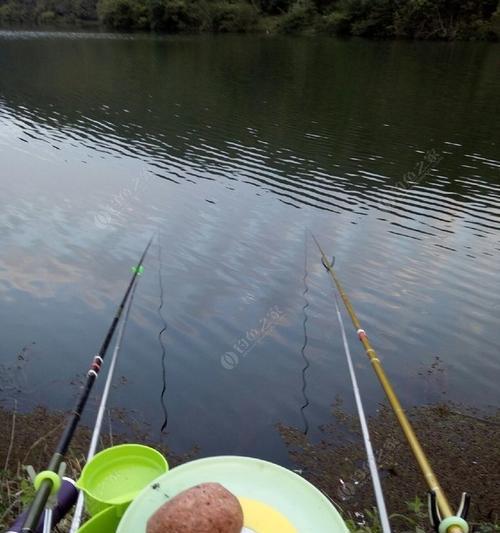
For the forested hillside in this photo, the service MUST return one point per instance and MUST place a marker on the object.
(413, 19)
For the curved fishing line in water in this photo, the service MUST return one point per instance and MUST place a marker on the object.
(160, 340)
(304, 346)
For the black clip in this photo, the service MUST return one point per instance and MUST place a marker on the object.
(435, 515)
(463, 510)
(327, 265)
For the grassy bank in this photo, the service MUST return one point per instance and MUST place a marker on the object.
(31, 438)
(380, 19)
(461, 443)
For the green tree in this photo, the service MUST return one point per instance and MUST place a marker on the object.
(227, 16)
(275, 7)
(85, 9)
(174, 16)
(374, 19)
(123, 15)
(300, 16)
(441, 19)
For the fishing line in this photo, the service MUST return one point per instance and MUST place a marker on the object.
(160, 340)
(49, 480)
(304, 346)
(77, 517)
(372, 463)
(441, 514)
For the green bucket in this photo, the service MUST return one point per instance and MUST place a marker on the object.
(104, 522)
(115, 476)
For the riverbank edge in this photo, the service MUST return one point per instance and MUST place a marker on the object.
(337, 456)
(286, 24)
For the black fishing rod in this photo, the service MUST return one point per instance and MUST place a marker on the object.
(48, 481)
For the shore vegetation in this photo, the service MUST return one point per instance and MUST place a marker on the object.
(376, 19)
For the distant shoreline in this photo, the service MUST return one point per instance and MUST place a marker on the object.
(410, 20)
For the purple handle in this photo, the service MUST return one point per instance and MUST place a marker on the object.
(66, 498)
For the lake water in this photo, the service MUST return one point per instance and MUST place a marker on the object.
(233, 147)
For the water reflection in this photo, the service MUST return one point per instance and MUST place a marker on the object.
(233, 146)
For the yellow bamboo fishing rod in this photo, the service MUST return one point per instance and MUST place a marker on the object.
(442, 517)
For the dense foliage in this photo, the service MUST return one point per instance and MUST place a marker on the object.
(175, 16)
(418, 19)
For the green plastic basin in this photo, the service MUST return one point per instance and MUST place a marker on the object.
(115, 476)
(104, 522)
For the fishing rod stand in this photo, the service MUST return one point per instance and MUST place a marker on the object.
(56, 479)
(441, 525)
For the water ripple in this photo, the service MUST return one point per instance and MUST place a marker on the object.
(234, 146)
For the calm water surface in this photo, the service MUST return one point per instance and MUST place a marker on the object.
(232, 147)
